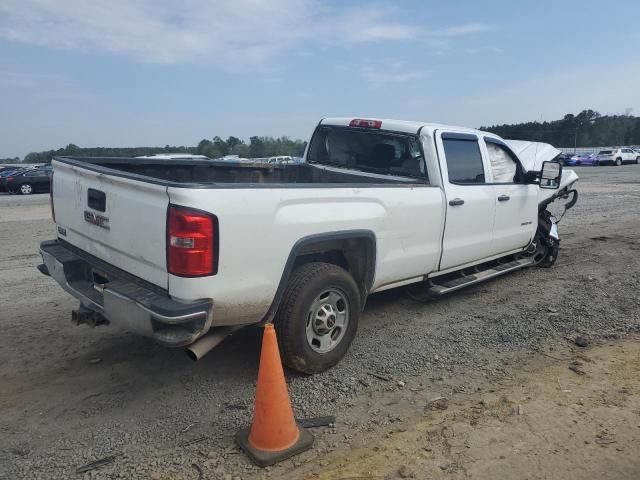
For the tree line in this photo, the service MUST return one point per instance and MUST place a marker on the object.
(586, 129)
(215, 148)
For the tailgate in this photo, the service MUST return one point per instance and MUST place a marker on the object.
(119, 220)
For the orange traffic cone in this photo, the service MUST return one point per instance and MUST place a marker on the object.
(274, 433)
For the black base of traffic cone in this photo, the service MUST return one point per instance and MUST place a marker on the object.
(264, 458)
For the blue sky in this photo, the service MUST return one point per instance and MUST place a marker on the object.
(156, 72)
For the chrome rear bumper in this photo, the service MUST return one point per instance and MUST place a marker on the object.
(125, 300)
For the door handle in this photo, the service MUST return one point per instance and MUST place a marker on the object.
(503, 198)
(456, 201)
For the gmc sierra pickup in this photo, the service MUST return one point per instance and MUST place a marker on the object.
(187, 251)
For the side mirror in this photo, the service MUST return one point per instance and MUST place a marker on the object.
(550, 175)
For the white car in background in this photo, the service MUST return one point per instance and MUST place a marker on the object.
(617, 156)
(174, 156)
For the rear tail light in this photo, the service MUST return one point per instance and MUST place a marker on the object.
(9, 179)
(364, 123)
(53, 211)
(192, 242)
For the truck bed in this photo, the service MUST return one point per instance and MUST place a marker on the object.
(209, 173)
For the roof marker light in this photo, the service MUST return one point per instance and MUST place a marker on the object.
(364, 123)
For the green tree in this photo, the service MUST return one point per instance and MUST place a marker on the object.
(221, 145)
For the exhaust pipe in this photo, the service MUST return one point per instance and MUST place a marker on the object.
(205, 344)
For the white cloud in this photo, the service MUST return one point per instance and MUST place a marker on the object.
(466, 29)
(230, 32)
(388, 72)
(156, 31)
(28, 80)
(371, 24)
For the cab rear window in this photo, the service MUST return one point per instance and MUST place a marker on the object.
(376, 151)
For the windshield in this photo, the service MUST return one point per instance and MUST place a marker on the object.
(372, 151)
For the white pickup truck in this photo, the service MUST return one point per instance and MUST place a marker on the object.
(186, 251)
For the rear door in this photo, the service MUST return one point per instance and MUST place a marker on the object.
(119, 220)
(628, 155)
(470, 201)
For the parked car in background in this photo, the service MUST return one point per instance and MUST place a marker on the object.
(578, 159)
(565, 158)
(585, 159)
(28, 181)
(7, 173)
(617, 156)
(173, 156)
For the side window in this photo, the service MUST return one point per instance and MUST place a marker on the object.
(503, 165)
(464, 161)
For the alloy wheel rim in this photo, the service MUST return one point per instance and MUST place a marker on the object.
(327, 320)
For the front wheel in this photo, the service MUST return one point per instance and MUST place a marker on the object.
(318, 317)
(547, 247)
(26, 189)
(551, 254)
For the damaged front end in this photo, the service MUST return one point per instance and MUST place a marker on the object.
(545, 245)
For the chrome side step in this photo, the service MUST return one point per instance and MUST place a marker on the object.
(453, 284)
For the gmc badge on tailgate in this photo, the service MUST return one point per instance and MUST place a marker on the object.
(97, 220)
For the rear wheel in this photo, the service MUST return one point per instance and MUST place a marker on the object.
(318, 317)
(26, 189)
(618, 162)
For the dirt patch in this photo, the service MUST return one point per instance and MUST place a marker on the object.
(411, 362)
(545, 422)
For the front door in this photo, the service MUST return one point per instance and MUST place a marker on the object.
(516, 202)
(470, 201)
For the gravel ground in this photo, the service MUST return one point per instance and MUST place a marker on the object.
(71, 395)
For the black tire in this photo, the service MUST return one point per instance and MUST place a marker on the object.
(637, 160)
(25, 189)
(618, 162)
(578, 163)
(305, 289)
(547, 247)
(551, 255)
